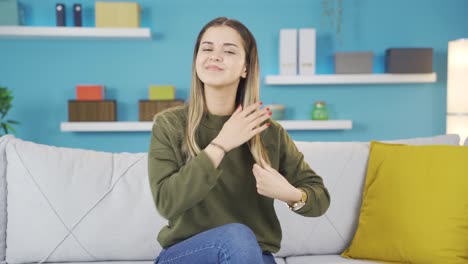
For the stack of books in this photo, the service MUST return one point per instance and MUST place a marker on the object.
(90, 105)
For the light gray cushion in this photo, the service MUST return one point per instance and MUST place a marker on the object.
(342, 165)
(449, 139)
(466, 142)
(280, 261)
(324, 259)
(3, 194)
(78, 205)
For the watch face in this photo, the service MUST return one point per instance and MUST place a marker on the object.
(298, 206)
(304, 196)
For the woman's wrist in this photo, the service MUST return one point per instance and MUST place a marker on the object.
(219, 147)
(215, 154)
(220, 144)
(294, 196)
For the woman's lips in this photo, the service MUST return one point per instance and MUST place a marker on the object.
(213, 68)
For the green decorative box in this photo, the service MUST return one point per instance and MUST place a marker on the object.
(161, 92)
(9, 13)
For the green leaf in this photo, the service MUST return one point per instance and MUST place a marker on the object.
(10, 128)
(13, 122)
(5, 105)
(5, 129)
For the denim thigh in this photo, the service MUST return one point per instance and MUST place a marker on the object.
(227, 244)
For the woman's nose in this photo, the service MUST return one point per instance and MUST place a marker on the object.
(215, 56)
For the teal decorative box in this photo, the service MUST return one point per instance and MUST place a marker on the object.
(9, 15)
(277, 111)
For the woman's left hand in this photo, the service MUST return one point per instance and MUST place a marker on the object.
(272, 184)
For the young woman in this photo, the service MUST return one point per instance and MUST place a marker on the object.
(216, 165)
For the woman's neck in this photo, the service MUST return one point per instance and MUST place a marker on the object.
(220, 101)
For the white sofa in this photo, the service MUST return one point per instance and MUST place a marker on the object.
(74, 205)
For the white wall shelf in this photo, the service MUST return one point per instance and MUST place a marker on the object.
(385, 78)
(74, 32)
(147, 126)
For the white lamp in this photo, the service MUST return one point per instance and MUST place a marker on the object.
(457, 88)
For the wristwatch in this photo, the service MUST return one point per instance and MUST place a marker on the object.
(299, 204)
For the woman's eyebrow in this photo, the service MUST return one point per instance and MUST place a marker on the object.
(231, 44)
(225, 44)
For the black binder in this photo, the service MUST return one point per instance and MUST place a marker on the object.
(60, 12)
(77, 17)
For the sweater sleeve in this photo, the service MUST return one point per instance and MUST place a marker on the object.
(300, 175)
(175, 188)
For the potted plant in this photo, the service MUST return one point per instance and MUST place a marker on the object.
(5, 105)
(333, 11)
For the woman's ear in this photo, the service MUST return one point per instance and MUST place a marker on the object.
(244, 72)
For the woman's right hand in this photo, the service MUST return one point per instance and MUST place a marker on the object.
(242, 126)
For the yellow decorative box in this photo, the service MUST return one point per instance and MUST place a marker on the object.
(117, 14)
(161, 92)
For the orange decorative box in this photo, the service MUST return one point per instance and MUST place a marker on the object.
(89, 92)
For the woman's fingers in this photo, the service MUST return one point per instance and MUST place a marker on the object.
(259, 129)
(238, 129)
(258, 121)
(249, 109)
(238, 110)
(257, 114)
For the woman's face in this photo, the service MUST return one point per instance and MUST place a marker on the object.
(220, 59)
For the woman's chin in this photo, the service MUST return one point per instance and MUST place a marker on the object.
(216, 84)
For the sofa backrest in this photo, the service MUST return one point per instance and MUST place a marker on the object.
(81, 205)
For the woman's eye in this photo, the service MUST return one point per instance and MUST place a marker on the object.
(206, 49)
(229, 52)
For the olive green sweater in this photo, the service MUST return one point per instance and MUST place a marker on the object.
(195, 196)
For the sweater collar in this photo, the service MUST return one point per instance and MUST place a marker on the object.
(214, 121)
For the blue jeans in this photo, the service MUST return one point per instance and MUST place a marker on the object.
(227, 244)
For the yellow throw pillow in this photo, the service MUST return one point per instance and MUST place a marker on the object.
(414, 205)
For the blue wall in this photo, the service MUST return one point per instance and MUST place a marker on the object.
(43, 73)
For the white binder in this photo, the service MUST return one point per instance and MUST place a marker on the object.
(307, 47)
(288, 52)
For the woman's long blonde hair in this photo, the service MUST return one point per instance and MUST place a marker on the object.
(248, 89)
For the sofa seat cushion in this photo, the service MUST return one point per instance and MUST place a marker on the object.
(280, 261)
(324, 259)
